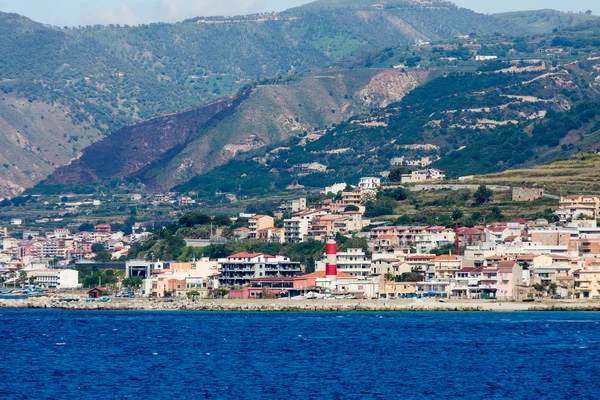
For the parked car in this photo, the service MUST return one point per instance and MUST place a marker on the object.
(556, 297)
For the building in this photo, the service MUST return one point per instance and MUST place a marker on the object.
(369, 183)
(398, 290)
(501, 281)
(446, 266)
(293, 206)
(574, 207)
(259, 223)
(272, 235)
(297, 228)
(466, 283)
(185, 201)
(433, 288)
(421, 238)
(239, 269)
(56, 278)
(335, 189)
(103, 228)
(97, 292)
(587, 282)
(423, 176)
(485, 58)
(527, 194)
(352, 262)
(241, 233)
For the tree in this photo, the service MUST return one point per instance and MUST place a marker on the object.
(101, 253)
(133, 282)
(482, 195)
(192, 219)
(396, 174)
(457, 214)
(351, 208)
(589, 12)
(86, 227)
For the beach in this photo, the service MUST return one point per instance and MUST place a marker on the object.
(302, 305)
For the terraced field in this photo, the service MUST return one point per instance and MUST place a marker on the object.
(575, 175)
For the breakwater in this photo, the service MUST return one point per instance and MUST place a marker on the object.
(299, 305)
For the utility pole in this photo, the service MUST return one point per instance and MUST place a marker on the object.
(456, 241)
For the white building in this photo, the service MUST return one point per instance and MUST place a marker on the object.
(354, 262)
(56, 278)
(369, 183)
(335, 189)
(238, 269)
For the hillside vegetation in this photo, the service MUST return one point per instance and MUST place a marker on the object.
(169, 150)
(574, 175)
(98, 79)
(535, 104)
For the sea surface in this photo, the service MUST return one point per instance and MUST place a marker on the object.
(56, 354)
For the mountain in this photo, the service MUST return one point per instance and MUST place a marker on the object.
(98, 79)
(537, 102)
(168, 150)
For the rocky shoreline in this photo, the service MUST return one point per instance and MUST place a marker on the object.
(299, 305)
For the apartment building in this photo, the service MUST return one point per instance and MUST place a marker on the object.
(259, 223)
(353, 262)
(572, 207)
(56, 278)
(297, 228)
(238, 269)
(587, 281)
(293, 205)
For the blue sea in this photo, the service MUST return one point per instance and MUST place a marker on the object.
(56, 354)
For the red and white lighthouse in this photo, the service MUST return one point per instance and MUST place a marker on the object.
(331, 253)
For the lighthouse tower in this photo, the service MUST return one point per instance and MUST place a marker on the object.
(331, 266)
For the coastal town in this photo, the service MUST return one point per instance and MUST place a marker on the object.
(513, 260)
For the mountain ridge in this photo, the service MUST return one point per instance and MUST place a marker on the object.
(104, 78)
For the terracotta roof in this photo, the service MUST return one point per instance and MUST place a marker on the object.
(504, 264)
(243, 228)
(385, 237)
(446, 257)
(469, 232)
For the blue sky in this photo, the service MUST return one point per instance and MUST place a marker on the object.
(84, 12)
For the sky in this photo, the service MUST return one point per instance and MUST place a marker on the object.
(132, 12)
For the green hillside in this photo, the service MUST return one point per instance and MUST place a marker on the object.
(99, 79)
(544, 21)
(534, 104)
(571, 176)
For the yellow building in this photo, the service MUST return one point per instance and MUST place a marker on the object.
(587, 282)
(395, 290)
(573, 206)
